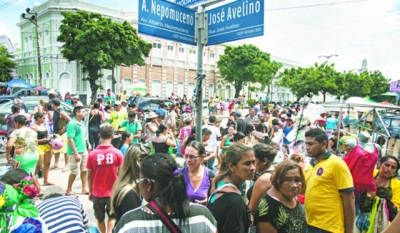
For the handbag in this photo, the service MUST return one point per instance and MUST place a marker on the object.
(14, 164)
(165, 218)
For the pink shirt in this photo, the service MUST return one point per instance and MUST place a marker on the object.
(104, 161)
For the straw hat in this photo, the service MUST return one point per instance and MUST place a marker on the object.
(152, 115)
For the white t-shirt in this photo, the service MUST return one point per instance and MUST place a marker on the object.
(215, 133)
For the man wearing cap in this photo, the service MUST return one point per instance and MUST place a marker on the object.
(75, 101)
(240, 123)
(109, 98)
(117, 116)
(60, 121)
(132, 126)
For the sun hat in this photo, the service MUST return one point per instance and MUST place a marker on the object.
(152, 115)
(75, 97)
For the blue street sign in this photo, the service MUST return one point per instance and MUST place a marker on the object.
(188, 3)
(167, 20)
(235, 21)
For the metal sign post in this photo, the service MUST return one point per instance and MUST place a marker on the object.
(201, 39)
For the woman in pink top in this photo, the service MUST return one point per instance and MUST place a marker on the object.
(185, 132)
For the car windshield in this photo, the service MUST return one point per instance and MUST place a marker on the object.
(7, 105)
(151, 104)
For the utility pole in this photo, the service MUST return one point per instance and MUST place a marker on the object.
(34, 19)
(201, 39)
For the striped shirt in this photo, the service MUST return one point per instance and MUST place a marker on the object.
(139, 220)
(63, 214)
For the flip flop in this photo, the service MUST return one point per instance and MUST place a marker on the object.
(53, 167)
(65, 169)
(48, 184)
(70, 194)
(85, 193)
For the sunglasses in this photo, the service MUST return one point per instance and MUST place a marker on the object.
(144, 178)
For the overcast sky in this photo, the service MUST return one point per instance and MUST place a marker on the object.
(296, 30)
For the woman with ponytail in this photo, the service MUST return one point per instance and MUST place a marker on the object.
(163, 140)
(169, 209)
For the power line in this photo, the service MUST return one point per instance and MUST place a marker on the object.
(7, 4)
(314, 5)
(334, 25)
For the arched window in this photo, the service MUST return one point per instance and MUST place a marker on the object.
(219, 90)
(228, 91)
(210, 90)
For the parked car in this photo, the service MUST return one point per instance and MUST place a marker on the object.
(26, 92)
(30, 102)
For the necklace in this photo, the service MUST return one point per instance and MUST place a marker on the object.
(380, 183)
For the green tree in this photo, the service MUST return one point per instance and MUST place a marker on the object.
(380, 83)
(265, 72)
(237, 65)
(6, 64)
(98, 43)
(311, 81)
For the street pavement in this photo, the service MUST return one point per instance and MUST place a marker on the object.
(60, 179)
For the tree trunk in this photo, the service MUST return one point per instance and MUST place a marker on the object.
(113, 81)
(93, 76)
(324, 95)
(238, 88)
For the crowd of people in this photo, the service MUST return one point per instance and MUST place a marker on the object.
(243, 176)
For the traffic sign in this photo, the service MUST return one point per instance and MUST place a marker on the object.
(235, 21)
(188, 3)
(167, 20)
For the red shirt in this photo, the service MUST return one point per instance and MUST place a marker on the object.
(104, 161)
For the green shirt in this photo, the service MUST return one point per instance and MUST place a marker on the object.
(110, 98)
(77, 131)
(132, 128)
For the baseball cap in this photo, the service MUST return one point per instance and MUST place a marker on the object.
(56, 101)
(108, 89)
(238, 114)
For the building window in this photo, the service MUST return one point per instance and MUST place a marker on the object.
(190, 90)
(228, 91)
(212, 57)
(155, 88)
(169, 88)
(181, 53)
(192, 55)
(157, 51)
(180, 89)
(210, 90)
(219, 90)
(170, 52)
(126, 82)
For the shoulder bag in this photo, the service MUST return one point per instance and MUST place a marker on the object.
(165, 218)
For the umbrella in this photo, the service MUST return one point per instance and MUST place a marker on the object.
(136, 88)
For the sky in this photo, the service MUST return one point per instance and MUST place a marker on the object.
(300, 31)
